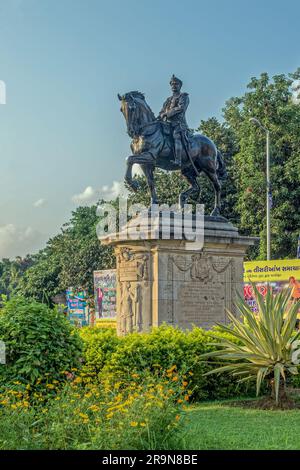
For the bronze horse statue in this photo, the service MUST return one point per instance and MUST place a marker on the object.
(152, 146)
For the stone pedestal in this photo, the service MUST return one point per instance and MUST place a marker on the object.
(169, 281)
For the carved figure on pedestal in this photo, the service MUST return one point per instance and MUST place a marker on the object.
(201, 268)
(127, 301)
(141, 262)
(138, 308)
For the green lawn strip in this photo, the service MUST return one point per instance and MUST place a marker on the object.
(216, 425)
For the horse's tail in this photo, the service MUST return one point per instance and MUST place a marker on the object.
(221, 167)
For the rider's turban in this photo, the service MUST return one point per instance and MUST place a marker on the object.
(176, 80)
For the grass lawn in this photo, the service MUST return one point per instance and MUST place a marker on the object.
(216, 425)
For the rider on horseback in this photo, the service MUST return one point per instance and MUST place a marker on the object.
(173, 111)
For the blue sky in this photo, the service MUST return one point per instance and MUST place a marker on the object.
(64, 61)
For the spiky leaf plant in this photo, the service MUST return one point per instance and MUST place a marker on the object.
(266, 342)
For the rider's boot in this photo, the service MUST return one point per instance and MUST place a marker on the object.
(178, 152)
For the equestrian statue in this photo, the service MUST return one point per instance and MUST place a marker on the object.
(166, 142)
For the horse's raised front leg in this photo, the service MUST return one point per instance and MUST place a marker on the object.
(141, 159)
(193, 191)
(128, 175)
(148, 171)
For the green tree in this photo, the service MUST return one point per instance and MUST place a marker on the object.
(41, 281)
(69, 259)
(80, 250)
(270, 101)
(11, 271)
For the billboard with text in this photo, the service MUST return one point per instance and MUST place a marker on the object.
(105, 286)
(273, 274)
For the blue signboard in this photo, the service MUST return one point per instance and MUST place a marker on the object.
(78, 311)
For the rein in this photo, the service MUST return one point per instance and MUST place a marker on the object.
(148, 124)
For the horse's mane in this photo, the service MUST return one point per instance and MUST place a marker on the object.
(144, 112)
(135, 94)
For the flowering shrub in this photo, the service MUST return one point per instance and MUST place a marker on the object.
(144, 414)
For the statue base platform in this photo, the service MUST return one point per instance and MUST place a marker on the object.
(176, 282)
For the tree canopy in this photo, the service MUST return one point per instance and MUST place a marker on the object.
(69, 259)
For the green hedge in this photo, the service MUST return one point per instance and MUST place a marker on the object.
(107, 355)
(40, 343)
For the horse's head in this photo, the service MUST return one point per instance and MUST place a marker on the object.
(136, 112)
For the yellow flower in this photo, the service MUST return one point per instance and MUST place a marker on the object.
(185, 384)
(175, 378)
(134, 376)
(186, 397)
(17, 382)
(133, 424)
(143, 425)
(169, 371)
(78, 380)
(179, 401)
(28, 387)
(177, 417)
(94, 408)
(83, 416)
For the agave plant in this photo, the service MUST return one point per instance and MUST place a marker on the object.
(264, 344)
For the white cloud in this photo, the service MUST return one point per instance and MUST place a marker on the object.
(16, 241)
(39, 203)
(88, 196)
(91, 195)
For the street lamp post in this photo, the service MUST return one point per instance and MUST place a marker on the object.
(268, 184)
